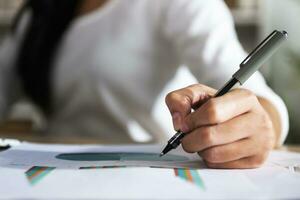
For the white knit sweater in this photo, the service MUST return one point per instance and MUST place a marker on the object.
(115, 65)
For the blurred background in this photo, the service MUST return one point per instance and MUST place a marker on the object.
(254, 19)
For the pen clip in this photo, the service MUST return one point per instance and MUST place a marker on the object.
(258, 48)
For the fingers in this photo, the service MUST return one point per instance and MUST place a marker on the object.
(246, 153)
(244, 163)
(231, 131)
(242, 142)
(180, 102)
(230, 152)
(206, 126)
(228, 132)
(221, 109)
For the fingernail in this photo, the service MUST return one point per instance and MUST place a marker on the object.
(176, 120)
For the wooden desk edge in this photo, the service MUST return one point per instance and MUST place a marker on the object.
(290, 147)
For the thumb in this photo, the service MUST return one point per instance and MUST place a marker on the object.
(178, 122)
(181, 102)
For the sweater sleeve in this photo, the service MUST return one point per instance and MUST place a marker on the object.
(203, 35)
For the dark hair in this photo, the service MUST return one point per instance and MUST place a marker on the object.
(48, 22)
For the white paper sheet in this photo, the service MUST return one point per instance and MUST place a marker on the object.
(29, 154)
(273, 180)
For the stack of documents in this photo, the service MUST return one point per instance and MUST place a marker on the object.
(48, 171)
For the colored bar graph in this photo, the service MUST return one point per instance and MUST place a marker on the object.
(190, 175)
(37, 173)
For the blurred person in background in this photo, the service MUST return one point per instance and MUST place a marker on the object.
(94, 66)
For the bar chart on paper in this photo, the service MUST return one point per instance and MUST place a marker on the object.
(39, 171)
(36, 174)
(190, 175)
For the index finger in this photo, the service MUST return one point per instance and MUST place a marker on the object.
(220, 109)
(180, 102)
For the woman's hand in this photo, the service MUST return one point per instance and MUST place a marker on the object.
(231, 131)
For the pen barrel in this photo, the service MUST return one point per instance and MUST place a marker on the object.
(175, 140)
(228, 86)
(259, 55)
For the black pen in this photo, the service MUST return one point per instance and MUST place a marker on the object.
(249, 65)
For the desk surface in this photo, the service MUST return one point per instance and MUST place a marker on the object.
(70, 183)
(22, 130)
(293, 148)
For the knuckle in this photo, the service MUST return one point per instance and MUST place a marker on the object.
(248, 93)
(176, 101)
(258, 160)
(268, 130)
(207, 136)
(170, 97)
(266, 122)
(213, 111)
(187, 147)
(191, 122)
(269, 142)
(190, 91)
(211, 165)
(211, 155)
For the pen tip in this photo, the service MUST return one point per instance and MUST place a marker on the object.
(161, 154)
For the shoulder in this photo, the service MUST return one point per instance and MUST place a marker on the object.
(193, 17)
(212, 10)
